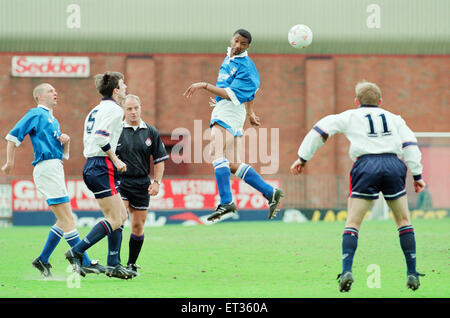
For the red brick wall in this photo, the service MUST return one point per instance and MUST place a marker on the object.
(295, 92)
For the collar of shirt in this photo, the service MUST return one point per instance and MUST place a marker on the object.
(111, 100)
(243, 54)
(141, 125)
(47, 109)
(367, 105)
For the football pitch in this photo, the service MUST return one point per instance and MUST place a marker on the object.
(237, 260)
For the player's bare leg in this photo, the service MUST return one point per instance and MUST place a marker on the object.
(217, 142)
(356, 211)
(137, 221)
(65, 219)
(114, 210)
(400, 211)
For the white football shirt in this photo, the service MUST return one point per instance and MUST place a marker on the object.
(370, 130)
(102, 126)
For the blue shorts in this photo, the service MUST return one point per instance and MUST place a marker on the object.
(101, 177)
(376, 173)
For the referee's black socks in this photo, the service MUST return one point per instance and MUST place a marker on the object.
(135, 246)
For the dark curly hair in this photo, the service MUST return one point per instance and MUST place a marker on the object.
(107, 82)
(245, 34)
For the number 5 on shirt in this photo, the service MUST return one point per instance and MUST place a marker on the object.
(91, 121)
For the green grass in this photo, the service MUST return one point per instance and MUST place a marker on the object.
(237, 260)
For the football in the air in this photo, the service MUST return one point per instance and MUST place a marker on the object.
(300, 36)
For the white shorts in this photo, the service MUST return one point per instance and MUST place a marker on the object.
(48, 176)
(229, 116)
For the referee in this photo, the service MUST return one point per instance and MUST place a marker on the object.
(137, 143)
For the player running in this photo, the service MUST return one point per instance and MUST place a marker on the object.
(50, 147)
(378, 138)
(102, 129)
(237, 83)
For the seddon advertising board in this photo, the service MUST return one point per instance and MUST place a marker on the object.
(50, 66)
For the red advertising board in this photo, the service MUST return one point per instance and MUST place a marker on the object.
(25, 196)
(50, 66)
(189, 194)
(175, 194)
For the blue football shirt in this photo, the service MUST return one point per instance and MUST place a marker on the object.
(240, 78)
(43, 130)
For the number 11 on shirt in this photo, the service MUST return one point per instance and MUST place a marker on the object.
(372, 132)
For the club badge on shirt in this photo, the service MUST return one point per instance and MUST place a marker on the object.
(148, 142)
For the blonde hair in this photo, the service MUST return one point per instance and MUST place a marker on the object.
(135, 97)
(368, 93)
(38, 90)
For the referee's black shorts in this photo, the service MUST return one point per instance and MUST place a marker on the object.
(135, 191)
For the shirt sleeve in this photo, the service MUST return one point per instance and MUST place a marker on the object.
(411, 151)
(104, 127)
(316, 137)
(244, 85)
(159, 152)
(24, 126)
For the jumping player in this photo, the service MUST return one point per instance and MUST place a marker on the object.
(237, 83)
(102, 129)
(50, 147)
(378, 138)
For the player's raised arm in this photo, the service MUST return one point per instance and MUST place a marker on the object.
(316, 138)
(218, 91)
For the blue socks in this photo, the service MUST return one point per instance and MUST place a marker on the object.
(99, 231)
(245, 172)
(223, 174)
(114, 243)
(349, 245)
(73, 238)
(408, 244)
(250, 176)
(54, 236)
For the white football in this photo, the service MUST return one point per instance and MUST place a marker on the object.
(300, 36)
